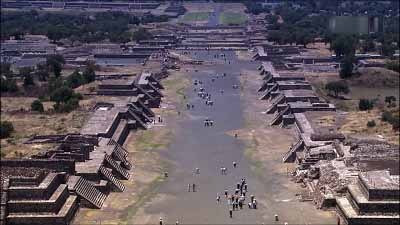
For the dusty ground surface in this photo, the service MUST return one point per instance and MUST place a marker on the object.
(27, 123)
(182, 143)
(145, 148)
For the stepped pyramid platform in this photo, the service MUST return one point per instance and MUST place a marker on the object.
(43, 199)
(374, 199)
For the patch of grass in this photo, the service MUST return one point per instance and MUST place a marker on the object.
(232, 18)
(196, 16)
(145, 196)
(256, 165)
(147, 141)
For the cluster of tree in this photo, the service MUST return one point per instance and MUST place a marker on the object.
(113, 26)
(78, 78)
(53, 66)
(6, 128)
(66, 99)
(392, 119)
(298, 27)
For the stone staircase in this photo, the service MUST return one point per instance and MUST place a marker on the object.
(278, 118)
(86, 190)
(289, 156)
(274, 103)
(106, 173)
(137, 118)
(120, 155)
(116, 167)
(357, 208)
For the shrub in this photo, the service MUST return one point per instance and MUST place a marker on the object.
(386, 116)
(37, 106)
(371, 123)
(337, 87)
(6, 128)
(365, 104)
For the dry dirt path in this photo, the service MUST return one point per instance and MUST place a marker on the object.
(210, 148)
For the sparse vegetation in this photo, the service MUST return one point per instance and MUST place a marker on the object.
(337, 87)
(37, 106)
(371, 123)
(365, 104)
(6, 128)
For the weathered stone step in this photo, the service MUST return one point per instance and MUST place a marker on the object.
(89, 192)
(62, 217)
(118, 185)
(116, 167)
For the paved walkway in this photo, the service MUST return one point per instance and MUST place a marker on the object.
(209, 149)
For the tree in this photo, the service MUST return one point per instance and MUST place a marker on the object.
(6, 128)
(141, 34)
(6, 69)
(37, 106)
(8, 85)
(26, 73)
(89, 74)
(365, 104)
(42, 72)
(390, 99)
(55, 62)
(347, 67)
(371, 123)
(62, 94)
(75, 79)
(344, 45)
(54, 83)
(337, 87)
(368, 45)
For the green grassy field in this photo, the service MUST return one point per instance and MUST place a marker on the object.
(196, 16)
(232, 18)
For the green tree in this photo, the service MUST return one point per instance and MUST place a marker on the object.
(26, 73)
(365, 104)
(37, 106)
(6, 128)
(42, 72)
(55, 62)
(337, 87)
(141, 34)
(390, 99)
(346, 69)
(75, 79)
(371, 123)
(344, 45)
(89, 74)
(8, 85)
(6, 69)
(62, 94)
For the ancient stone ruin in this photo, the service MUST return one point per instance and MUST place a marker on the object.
(83, 168)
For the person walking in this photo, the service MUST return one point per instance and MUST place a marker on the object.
(234, 164)
(230, 213)
(161, 221)
(226, 193)
(194, 188)
(218, 198)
